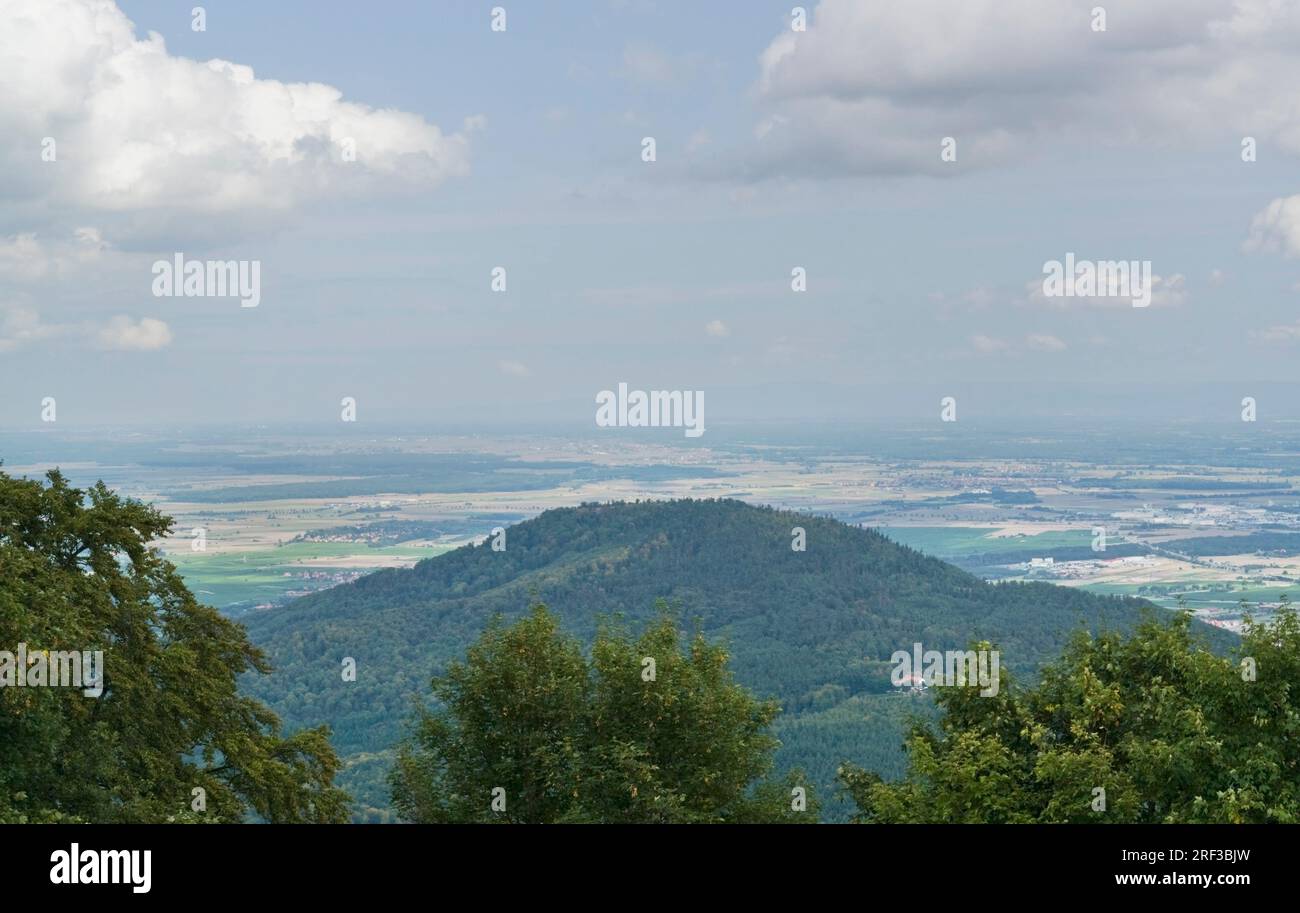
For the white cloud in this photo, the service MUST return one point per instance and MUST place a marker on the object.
(874, 87)
(513, 368)
(138, 128)
(27, 258)
(987, 345)
(716, 328)
(20, 326)
(123, 334)
(23, 326)
(1276, 228)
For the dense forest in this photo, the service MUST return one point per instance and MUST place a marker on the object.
(812, 629)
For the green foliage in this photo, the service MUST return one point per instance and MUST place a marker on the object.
(1169, 730)
(645, 732)
(77, 573)
(813, 630)
(515, 721)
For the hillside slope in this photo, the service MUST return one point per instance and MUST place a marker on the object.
(814, 629)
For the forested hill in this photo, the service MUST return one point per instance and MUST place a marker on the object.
(814, 629)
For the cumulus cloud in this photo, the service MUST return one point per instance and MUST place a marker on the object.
(1276, 228)
(21, 326)
(125, 335)
(874, 87)
(138, 128)
(27, 258)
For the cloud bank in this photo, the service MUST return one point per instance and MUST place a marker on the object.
(133, 127)
(873, 88)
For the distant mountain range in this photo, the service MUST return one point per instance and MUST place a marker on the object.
(814, 629)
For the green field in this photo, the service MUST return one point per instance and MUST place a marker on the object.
(1217, 596)
(237, 581)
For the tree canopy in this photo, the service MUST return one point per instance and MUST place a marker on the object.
(650, 729)
(170, 738)
(1147, 728)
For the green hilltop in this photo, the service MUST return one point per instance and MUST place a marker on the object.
(813, 629)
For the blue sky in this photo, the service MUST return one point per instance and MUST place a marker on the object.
(522, 149)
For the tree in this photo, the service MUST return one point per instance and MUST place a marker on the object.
(514, 723)
(530, 731)
(169, 738)
(1150, 728)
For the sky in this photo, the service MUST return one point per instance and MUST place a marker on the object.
(128, 137)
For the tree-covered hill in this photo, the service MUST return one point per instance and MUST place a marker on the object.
(814, 629)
